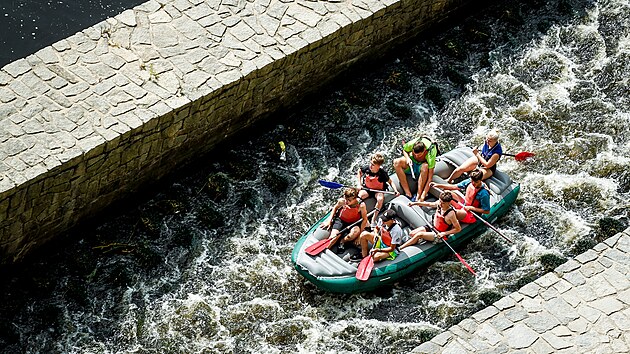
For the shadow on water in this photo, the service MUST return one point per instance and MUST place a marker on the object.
(201, 261)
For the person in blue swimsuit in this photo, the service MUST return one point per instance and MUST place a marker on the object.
(486, 159)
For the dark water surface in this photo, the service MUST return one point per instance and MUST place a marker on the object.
(27, 26)
(203, 265)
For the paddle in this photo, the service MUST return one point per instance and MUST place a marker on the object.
(521, 156)
(449, 246)
(367, 263)
(335, 185)
(481, 219)
(321, 245)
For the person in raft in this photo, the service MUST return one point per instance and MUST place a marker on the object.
(476, 196)
(373, 176)
(385, 246)
(486, 159)
(444, 221)
(346, 211)
(418, 154)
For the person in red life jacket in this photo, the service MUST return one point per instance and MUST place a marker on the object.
(346, 211)
(485, 160)
(444, 221)
(385, 246)
(420, 155)
(373, 176)
(476, 197)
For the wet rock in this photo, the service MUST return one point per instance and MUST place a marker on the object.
(210, 217)
(287, 333)
(434, 94)
(148, 257)
(455, 48)
(551, 261)
(241, 168)
(398, 80)
(488, 297)
(218, 186)
(196, 320)
(149, 226)
(398, 109)
(336, 143)
(421, 65)
(608, 227)
(360, 97)
(277, 181)
(583, 244)
(457, 77)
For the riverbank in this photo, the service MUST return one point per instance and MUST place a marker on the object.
(582, 306)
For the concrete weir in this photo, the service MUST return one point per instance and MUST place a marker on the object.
(93, 117)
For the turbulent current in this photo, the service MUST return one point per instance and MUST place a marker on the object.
(202, 264)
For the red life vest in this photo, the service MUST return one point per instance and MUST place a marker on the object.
(350, 214)
(439, 220)
(372, 182)
(471, 194)
(386, 237)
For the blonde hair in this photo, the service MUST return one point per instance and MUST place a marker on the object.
(493, 134)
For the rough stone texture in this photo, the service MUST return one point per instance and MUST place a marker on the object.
(554, 315)
(95, 116)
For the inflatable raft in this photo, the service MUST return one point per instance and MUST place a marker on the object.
(334, 271)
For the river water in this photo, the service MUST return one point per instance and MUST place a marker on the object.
(29, 25)
(202, 264)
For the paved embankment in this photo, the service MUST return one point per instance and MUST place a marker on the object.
(581, 307)
(94, 117)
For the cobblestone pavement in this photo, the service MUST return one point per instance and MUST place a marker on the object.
(581, 307)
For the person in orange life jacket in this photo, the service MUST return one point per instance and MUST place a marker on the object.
(385, 246)
(486, 159)
(419, 154)
(346, 211)
(444, 221)
(373, 176)
(476, 197)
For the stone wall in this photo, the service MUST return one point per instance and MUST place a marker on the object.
(93, 117)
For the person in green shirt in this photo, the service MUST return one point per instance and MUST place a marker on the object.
(417, 162)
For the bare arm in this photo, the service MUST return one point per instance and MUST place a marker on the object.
(487, 163)
(364, 221)
(427, 184)
(359, 178)
(391, 183)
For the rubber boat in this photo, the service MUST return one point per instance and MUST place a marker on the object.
(334, 271)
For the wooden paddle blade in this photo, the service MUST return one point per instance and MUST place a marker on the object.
(365, 268)
(524, 155)
(465, 264)
(318, 247)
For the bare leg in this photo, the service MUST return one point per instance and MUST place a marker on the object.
(366, 238)
(400, 164)
(334, 235)
(422, 181)
(467, 166)
(487, 173)
(352, 235)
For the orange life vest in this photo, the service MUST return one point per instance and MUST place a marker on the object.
(471, 194)
(439, 220)
(372, 182)
(350, 214)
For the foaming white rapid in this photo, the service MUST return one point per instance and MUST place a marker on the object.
(561, 93)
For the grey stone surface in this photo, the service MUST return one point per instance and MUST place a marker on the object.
(590, 315)
(131, 74)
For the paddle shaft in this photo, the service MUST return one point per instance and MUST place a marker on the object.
(339, 185)
(449, 246)
(483, 220)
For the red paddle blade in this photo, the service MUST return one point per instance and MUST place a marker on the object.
(365, 268)
(465, 264)
(318, 247)
(524, 155)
